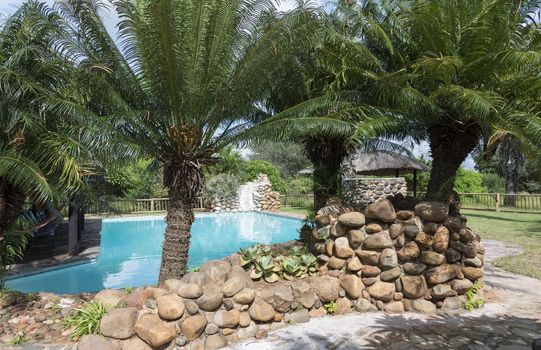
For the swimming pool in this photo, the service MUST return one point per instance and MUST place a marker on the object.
(130, 250)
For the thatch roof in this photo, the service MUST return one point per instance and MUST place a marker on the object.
(384, 163)
(379, 163)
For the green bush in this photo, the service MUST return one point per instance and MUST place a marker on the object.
(469, 181)
(255, 167)
(494, 182)
(300, 185)
(222, 185)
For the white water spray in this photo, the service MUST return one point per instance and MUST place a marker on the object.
(246, 197)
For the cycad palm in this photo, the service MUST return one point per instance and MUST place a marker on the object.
(188, 80)
(41, 135)
(457, 70)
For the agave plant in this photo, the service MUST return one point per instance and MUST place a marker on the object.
(292, 268)
(309, 262)
(265, 267)
(297, 251)
(248, 257)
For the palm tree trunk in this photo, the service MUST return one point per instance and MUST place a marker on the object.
(326, 155)
(449, 147)
(185, 183)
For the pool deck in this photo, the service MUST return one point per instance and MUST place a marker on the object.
(50, 252)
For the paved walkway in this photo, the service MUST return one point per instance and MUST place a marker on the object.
(510, 320)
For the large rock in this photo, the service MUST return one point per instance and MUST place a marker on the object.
(245, 296)
(461, 286)
(109, 297)
(343, 306)
(337, 230)
(364, 305)
(233, 285)
(303, 293)
(412, 268)
(342, 249)
(192, 327)
(371, 271)
(423, 306)
(424, 240)
(227, 319)
(443, 273)
(170, 307)
(391, 274)
(94, 342)
(216, 341)
(356, 238)
(299, 316)
(354, 264)
(189, 290)
(388, 259)
(352, 219)
(326, 287)
(472, 273)
(172, 284)
(394, 307)
(283, 297)
(134, 343)
(382, 291)
(373, 228)
(379, 240)
(335, 263)
(432, 258)
(352, 285)
(453, 303)
(261, 311)
(395, 230)
(247, 332)
(441, 240)
(368, 257)
(381, 210)
(151, 329)
(409, 251)
(119, 323)
(211, 299)
(432, 211)
(413, 287)
(200, 278)
(441, 291)
(217, 270)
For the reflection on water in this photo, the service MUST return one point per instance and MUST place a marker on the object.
(130, 250)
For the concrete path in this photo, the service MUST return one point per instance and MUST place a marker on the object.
(510, 320)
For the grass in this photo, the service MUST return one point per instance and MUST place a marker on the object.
(294, 210)
(516, 229)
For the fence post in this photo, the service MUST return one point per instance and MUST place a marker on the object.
(152, 205)
(498, 201)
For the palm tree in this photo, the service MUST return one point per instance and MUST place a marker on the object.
(184, 79)
(40, 144)
(457, 71)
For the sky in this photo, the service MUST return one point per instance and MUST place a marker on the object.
(7, 7)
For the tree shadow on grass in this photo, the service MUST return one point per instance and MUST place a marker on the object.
(397, 332)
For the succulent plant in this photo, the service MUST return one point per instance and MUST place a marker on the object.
(292, 268)
(266, 268)
(248, 257)
(309, 263)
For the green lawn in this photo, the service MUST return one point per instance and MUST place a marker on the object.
(516, 229)
(295, 210)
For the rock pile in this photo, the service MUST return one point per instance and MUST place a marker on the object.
(419, 259)
(225, 204)
(265, 198)
(360, 192)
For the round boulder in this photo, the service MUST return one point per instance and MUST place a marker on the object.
(432, 211)
(261, 311)
(170, 307)
(352, 219)
(381, 210)
(151, 329)
(119, 323)
(326, 287)
(193, 326)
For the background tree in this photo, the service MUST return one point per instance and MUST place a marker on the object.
(289, 157)
(455, 71)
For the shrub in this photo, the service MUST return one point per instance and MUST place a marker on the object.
(222, 185)
(493, 182)
(256, 167)
(469, 181)
(86, 321)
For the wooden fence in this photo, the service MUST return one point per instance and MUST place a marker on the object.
(480, 201)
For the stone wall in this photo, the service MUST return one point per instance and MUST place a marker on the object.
(362, 191)
(411, 259)
(265, 198)
(418, 258)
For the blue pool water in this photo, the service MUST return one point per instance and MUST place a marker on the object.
(130, 250)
